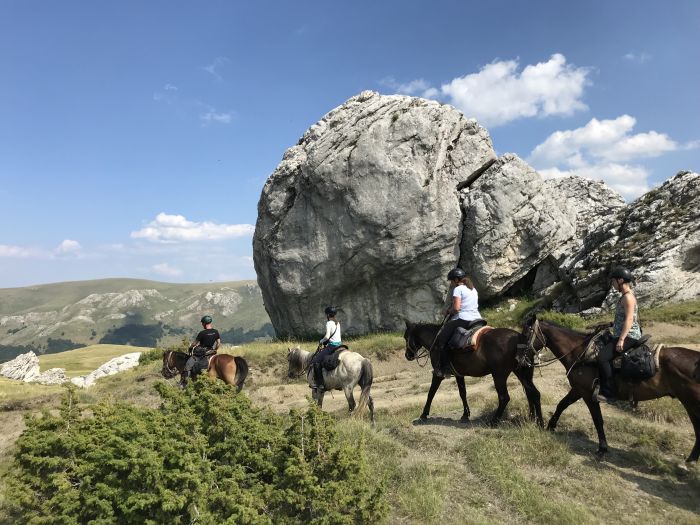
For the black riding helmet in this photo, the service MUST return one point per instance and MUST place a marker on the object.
(331, 310)
(620, 272)
(456, 273)
(207, 319)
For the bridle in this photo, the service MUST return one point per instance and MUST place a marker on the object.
(423, 352)
(537, 335)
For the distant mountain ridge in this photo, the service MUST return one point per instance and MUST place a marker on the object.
(56, 317)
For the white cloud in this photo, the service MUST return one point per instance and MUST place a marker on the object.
(213, 116)
(169, 87)
(17, 251)
(176, 228)
(628, 181)
(68, 246)
(499, 93)
(166, 269)
(608, 140)
(601, 150)
(215, 66)
(637, 58)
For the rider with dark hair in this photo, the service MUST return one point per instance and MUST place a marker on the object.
(204, 345)
(624, 332)
(464, 309)
(330, 343)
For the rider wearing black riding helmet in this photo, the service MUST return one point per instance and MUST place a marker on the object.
(330, 343)
(463, 311)
(624, 332)
(203, 346)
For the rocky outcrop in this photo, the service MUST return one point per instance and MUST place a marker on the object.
(510, 225)
(364, 212)
(111, 367)
(657, 237)
(385, 194)
(25, 368)
(592, 203)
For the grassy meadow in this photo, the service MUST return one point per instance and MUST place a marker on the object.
(444, 470)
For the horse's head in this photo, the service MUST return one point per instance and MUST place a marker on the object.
(533, 333)
(295, 362)
(170, 364)
(412, 345)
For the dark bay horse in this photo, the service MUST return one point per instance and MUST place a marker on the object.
(495, 356)
(231, 370)
(675, 377)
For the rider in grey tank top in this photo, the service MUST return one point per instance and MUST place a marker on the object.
(635, 331)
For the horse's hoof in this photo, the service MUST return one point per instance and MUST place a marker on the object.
(420, 421)
(600, 453)
(551, 427)
(464, 419)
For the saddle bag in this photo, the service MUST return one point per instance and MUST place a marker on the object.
(460, 338)
(637, 364)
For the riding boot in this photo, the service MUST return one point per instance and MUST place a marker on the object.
(318, 377)
(607, 383)
(443, 368)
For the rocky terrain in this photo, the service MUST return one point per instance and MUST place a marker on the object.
(54, 318)
(385, 194)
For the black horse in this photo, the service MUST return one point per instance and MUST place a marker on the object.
(496, 355)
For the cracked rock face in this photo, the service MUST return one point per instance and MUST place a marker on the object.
(593, 203)
(657, 237)
(364, 213)
(510, 225)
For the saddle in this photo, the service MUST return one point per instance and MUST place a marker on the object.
(332, 360)
(468, 339)
(637, 363)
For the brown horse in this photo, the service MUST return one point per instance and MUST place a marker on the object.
(675, 377)
(495, 356)
(231, 370)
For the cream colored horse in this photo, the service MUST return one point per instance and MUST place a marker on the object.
(352, 370)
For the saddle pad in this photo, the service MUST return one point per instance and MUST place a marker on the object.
(476, 337)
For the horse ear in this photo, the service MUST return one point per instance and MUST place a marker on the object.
(408, 323)
(288, 350)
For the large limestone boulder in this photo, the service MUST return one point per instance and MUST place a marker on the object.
(510, 225)
(364, 213)
(593, 204)
(52, 376)
(111, 367)
(657, 237)
(24, 367)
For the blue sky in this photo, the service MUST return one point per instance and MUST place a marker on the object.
(135, 137)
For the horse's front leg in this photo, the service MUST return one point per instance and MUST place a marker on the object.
(348, 395)
(597, 415)
(500, 382)
(463, 394)
(568, 400)
(431, 393)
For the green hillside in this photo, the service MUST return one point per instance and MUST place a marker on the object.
(59, 317)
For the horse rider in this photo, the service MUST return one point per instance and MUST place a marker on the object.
(624, 332)
(329, 343)
(463, 310)
(204, 345)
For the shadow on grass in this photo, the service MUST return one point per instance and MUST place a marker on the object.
(675, 482)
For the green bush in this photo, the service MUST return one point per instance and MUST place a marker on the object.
(206, 456)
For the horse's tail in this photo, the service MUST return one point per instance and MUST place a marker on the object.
(365, 382)
(241, 371)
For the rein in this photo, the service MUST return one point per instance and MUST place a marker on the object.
(536, 334)
(423, 352)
